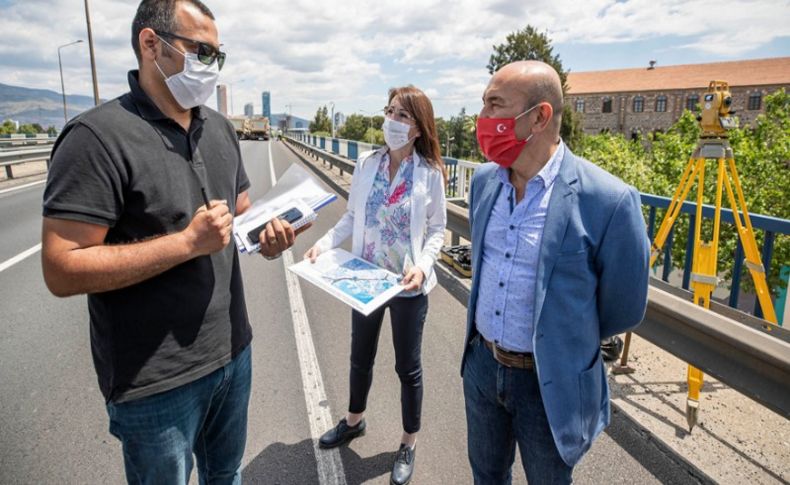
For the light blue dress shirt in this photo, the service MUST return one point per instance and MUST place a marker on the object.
(511, 246)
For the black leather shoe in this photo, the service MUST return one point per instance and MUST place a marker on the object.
(403, 467)
(340, 434)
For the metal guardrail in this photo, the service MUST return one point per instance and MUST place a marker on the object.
(15, 157)
(19, 142)
(735, 348)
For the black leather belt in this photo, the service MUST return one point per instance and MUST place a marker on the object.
(510, 359)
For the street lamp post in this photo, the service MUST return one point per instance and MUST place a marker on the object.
(231, 94)
(62, 85)
(370, 121)
(333, 118)
(288, 118)
(449, 139)
(93, 57)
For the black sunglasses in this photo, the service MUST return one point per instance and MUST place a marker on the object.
(206, 53)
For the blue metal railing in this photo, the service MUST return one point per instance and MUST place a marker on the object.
(353, 150)
(770, 225)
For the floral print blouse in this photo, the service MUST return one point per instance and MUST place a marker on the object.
(387, 240)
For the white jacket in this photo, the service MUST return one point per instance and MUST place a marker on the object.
(428, 212)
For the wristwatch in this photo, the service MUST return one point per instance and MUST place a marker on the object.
(272, 258)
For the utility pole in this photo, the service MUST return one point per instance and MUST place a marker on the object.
(93, 56)
(288, 118)
(62, 85)
(231, 93)
(333, 118)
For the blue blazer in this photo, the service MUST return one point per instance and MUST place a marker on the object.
(592, 279)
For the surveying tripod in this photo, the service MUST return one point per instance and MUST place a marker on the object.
(713, 144)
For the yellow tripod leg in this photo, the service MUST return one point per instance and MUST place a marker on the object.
(694, 379)
(690, 173)
(673, 211)
(703, 281)
(746, 235)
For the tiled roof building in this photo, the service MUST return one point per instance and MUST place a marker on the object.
(653, 98)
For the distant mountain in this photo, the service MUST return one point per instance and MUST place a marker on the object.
(40, 106)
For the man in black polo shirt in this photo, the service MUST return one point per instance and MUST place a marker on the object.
(137, 214)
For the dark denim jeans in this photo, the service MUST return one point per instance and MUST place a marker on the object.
(504, 407)
(207, 417)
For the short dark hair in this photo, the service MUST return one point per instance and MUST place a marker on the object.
(159, 15)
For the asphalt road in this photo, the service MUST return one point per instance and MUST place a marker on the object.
(53, 424)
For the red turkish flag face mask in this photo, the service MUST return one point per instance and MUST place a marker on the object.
(497, 139)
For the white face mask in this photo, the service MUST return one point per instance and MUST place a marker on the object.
(195, 84)
(396, 134)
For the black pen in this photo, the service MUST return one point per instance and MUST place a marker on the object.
(205, 197)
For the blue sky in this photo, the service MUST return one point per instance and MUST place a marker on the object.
(309, 53)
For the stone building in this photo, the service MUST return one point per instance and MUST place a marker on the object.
(630, 101)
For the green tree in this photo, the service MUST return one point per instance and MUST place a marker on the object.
(7, 128)
(52, 131)
(355, 127)
(527, 45)
(441, 132)
(462, 141)
(30, 129)
(374, 135)
(321, 122)
(530, 45)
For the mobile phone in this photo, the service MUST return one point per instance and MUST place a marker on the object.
(291, 215)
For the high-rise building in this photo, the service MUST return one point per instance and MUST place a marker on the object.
(266, 99)
(222, 99)
(249, 110)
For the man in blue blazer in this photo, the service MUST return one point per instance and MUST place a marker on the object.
(560, 261)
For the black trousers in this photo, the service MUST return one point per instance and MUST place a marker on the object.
(407, 315)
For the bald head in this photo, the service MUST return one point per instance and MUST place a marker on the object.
(536, 81)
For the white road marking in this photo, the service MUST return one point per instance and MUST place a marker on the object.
(20, 187)
(19, 257)
(319, 415)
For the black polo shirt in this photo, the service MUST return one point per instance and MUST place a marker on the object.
(126, 166)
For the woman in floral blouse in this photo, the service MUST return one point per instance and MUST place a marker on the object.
(396, 216)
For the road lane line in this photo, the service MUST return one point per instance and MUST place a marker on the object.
(19, 257)
(319, 415)
(20, 187)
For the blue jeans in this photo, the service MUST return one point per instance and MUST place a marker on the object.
(207, 417)
(504, 407)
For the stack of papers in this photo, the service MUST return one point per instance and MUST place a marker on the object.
(296, 189)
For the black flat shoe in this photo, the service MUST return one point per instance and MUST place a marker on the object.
(403, 467)
(341, 434)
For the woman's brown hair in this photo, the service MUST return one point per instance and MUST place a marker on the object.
(419, 106)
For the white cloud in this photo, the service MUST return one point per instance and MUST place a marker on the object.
(308, 53)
